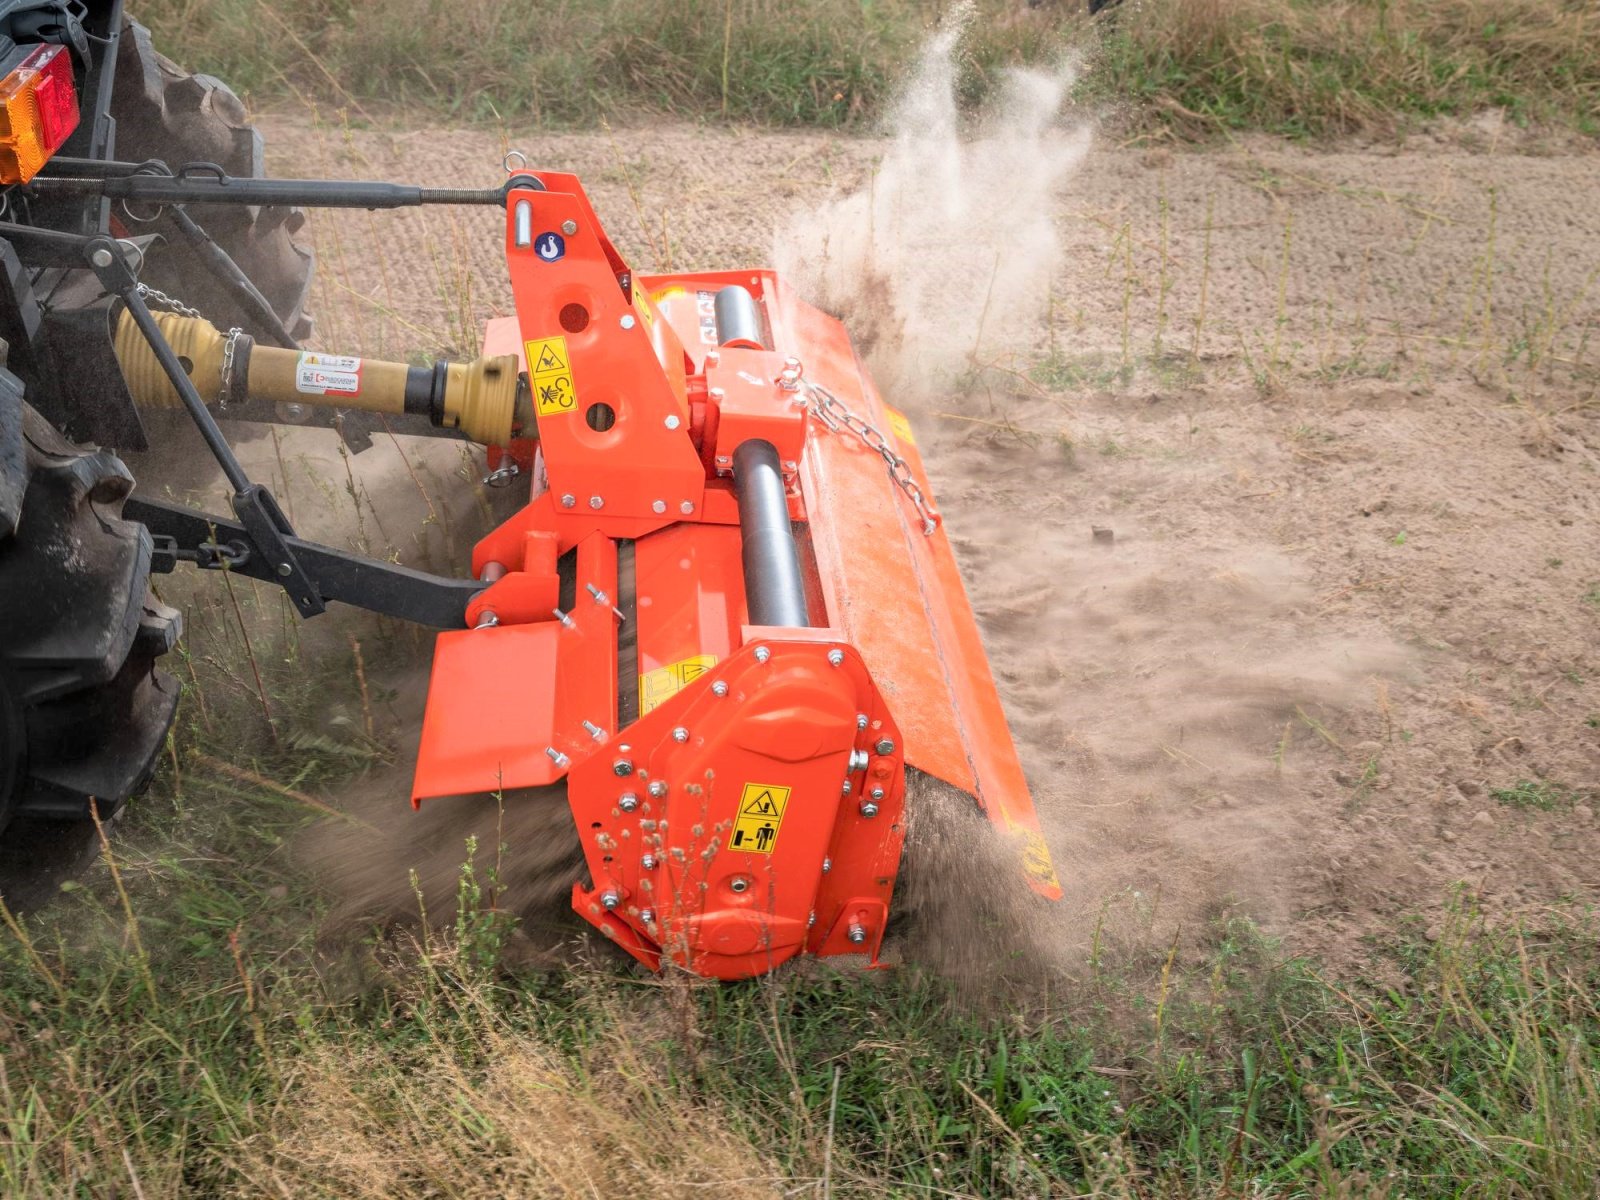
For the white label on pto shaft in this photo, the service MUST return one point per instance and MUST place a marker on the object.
(328, 375)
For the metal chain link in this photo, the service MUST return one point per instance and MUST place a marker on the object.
(229, 347)
(836, 415)
(156, 296)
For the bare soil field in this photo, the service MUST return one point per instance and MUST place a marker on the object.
(1336, 406)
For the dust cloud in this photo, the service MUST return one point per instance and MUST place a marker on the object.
(943, 258)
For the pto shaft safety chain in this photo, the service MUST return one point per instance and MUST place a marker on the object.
(157, 297)
(836, 415)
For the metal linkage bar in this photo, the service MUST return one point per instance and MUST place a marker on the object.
(206, 183)
(212, 543)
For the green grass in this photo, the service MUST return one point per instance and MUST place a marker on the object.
(179, 1026)
(1538, 794)
(1195, 67)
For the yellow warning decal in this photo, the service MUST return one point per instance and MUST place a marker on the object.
(1036, 864)
(670, 293)
(900, 426)
(550, 371)
(642, 303)
(755, 828)
(658, 686)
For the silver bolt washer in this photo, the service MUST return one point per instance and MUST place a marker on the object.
(686, 507)
(877, 793)
(658, 506)
(762, 654)
(739, 884)
(568, 500)
(597, 502)
(672, 421)
(680, 734)
(569, 227)
(627, 320)
(627, 802)
(885, 746)
(719, 688)
(857, 935)
(658, 788)
(836, 657)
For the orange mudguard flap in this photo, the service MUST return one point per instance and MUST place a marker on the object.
(895, 592)
(726, 830)
(514, 706)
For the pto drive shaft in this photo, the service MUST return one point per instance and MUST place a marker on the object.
(486, 399)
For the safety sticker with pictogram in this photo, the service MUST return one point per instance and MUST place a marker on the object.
(900, 426)
(755, 828)
(1036, 862)
(658, 686)
(550, 372)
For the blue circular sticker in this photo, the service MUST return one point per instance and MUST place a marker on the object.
(550, 246)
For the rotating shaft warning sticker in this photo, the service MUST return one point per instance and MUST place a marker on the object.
(327, 374)
(760, 816)
(658, 686)
(550, 373)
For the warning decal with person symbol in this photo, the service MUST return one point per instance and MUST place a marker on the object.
(755, 828)
(550, 371)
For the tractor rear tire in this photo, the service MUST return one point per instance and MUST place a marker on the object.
(84, 712)
(164, 112)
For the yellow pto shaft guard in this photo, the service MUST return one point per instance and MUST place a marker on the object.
(486, 399)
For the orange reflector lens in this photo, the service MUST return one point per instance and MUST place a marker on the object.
(38, 112)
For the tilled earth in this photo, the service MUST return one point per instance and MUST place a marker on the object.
(1336, 408)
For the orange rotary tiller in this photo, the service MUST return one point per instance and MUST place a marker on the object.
(728, 615)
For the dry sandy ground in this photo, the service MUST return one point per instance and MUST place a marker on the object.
(1355, 583)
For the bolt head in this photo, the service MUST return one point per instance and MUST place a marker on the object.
(762, 654)
(877, 793)
(102, 257)
(658, 788)
(627, 320)
(622, 767)
(724, 460)
(627, 802)
(680, 734)
(648, 862)
(836, 657)
(686, 507)
(609, 900)
(285, 570)
(672, 421)
(861, 720)
(597, 502)
(658, 506)
(719, 688)
(739, 883)
(812, 919)
(857, 935)
(568, 500)
(884, 746)
(868, 809)
(827, 865)
(647, 915)
(844, 788)
(569, 227)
